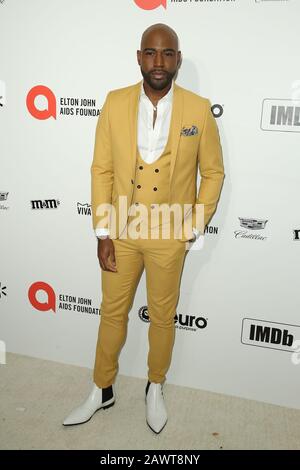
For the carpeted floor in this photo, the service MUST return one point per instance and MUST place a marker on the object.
(36, 395)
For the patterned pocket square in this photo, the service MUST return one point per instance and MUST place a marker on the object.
(187, 131)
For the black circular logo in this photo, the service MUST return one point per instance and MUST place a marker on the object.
(143, 314)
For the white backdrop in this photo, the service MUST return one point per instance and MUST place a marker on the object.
(238, 312)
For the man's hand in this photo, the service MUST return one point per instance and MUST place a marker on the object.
(106, 255)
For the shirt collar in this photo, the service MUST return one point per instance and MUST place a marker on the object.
(167, 98)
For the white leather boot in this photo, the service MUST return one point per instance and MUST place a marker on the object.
(98, 398)
(156, 413)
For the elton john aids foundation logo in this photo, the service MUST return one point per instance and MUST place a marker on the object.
(42, 289)
(50, 108)
(150, 4)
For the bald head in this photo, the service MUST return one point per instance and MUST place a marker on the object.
(159, 57)
(160, 29)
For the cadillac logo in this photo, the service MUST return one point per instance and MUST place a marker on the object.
(253, 224)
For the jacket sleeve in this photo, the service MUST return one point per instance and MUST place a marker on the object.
(102, 173)
(210, 161)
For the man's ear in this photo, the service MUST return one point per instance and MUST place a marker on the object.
(179, 59)
(138, 55)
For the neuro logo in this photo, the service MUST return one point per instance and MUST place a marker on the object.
(42, 114)
(46, 289)
(143, 314)
(150, 4)
(188, 322)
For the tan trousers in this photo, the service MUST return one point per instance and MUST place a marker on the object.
(163, 262)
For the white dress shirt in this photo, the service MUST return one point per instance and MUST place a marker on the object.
(152, 141)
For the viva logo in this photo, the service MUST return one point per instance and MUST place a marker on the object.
(150, 4)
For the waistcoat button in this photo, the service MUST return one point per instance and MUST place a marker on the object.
(141, 167)
(139, 186)
(155, 188)
(156, 170)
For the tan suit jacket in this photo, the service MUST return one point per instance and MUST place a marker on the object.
(114, 160)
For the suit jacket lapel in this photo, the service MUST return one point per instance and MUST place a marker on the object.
(133, 107)
(175, 125)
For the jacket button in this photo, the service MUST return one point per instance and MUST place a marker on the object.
(136, 203)
(155, 188)
(156, 170)
(141, 167)
(132, 181)
(139, 186)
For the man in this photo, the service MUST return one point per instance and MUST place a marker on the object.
(150, 140)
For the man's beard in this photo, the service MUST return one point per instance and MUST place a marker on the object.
(158, 84)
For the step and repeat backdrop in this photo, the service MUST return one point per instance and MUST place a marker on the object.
(238, 316)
